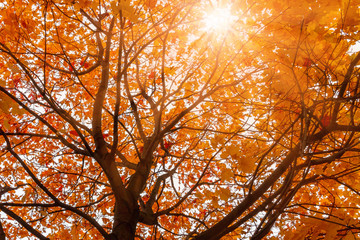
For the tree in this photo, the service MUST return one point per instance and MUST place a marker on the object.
(138, 120)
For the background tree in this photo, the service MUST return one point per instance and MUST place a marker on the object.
(157, 120)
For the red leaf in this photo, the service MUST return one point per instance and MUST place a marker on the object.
(146, 197)
(167, 144)
(307, 62)
(33, 96)
(16, 80)
(325, 121)
(84, 64)
(60, 188)
(152, 75)
(71, 68)
(23, 23)
(73, 132)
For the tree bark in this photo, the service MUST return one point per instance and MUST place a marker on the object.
(2, 233)
(124, 225)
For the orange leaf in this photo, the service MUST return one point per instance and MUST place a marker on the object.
(150, 3)
(151, 75)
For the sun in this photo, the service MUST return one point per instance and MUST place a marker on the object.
(219, 19)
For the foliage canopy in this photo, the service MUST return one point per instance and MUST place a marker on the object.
(133, 120)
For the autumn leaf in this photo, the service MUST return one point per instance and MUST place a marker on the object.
(224, 194)
(71, 67)
(115, 7)
(325, 120)
(307, 62)
(84, 64)
(227, 174)
(14, 68)
(217, 140)
(151, 75)
(246, 165)
(150, 3)
(73, 132)
(6, 124)
(167, 144)
(169, 70)
(127, 10)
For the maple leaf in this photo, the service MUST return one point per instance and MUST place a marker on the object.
(150, 3)
(71, 67)
(151, 75)
(325, 120)
(73, 132)
(246, 165)
(224, 194)
(84, 64)
(167, 145)
(307, 62)
(227, 174)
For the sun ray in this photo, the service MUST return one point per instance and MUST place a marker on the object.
(219, 19)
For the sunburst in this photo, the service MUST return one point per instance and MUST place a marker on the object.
(219, 19)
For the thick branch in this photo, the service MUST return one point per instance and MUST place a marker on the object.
(213, 232)
(2, 233)
(100, 96)
(344, 85)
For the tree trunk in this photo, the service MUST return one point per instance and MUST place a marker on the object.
(125, 221)
(2, 233)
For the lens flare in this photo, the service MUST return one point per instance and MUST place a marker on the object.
(219, 20)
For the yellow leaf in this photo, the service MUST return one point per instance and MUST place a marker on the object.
(74, 232)
(115, 8)
(225, 194)
(224, 155)
(227, 174)
(169, 70)
(5, 103)
(14, 68)
(215, 201)
(83, 4)
(198, 195)
(208, 194)
(232, 150)
(6, 124)
(126, 10)
(218, 139)
(25, 196)
(2, 82)
(43, 212)
(18, 110)
(246, 165)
